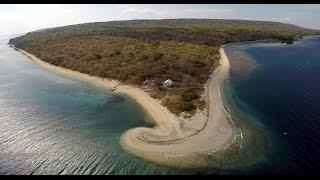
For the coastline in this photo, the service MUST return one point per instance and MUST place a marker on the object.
(167, 141)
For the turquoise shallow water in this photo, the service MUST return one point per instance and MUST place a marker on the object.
(50, 124)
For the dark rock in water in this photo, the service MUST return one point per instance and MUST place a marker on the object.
(289, 42)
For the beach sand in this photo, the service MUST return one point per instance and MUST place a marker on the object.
(173, 138)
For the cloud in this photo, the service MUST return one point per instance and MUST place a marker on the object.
(183, 13)
(208, 11)
(131, 10)
(282, 19)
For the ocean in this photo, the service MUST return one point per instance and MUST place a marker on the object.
(279, 85)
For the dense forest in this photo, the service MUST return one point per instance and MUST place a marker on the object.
(147, 52)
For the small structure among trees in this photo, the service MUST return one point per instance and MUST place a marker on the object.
(167, 83)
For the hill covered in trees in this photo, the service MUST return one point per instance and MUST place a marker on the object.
(147, 52)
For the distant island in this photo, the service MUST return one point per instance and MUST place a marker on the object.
(173, 68)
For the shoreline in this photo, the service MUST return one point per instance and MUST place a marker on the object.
(168, 141)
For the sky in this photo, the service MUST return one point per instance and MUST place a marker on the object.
(22, 18)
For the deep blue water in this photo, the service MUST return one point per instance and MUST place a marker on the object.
(283, 93)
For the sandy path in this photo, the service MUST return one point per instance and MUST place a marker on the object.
(167, 139)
